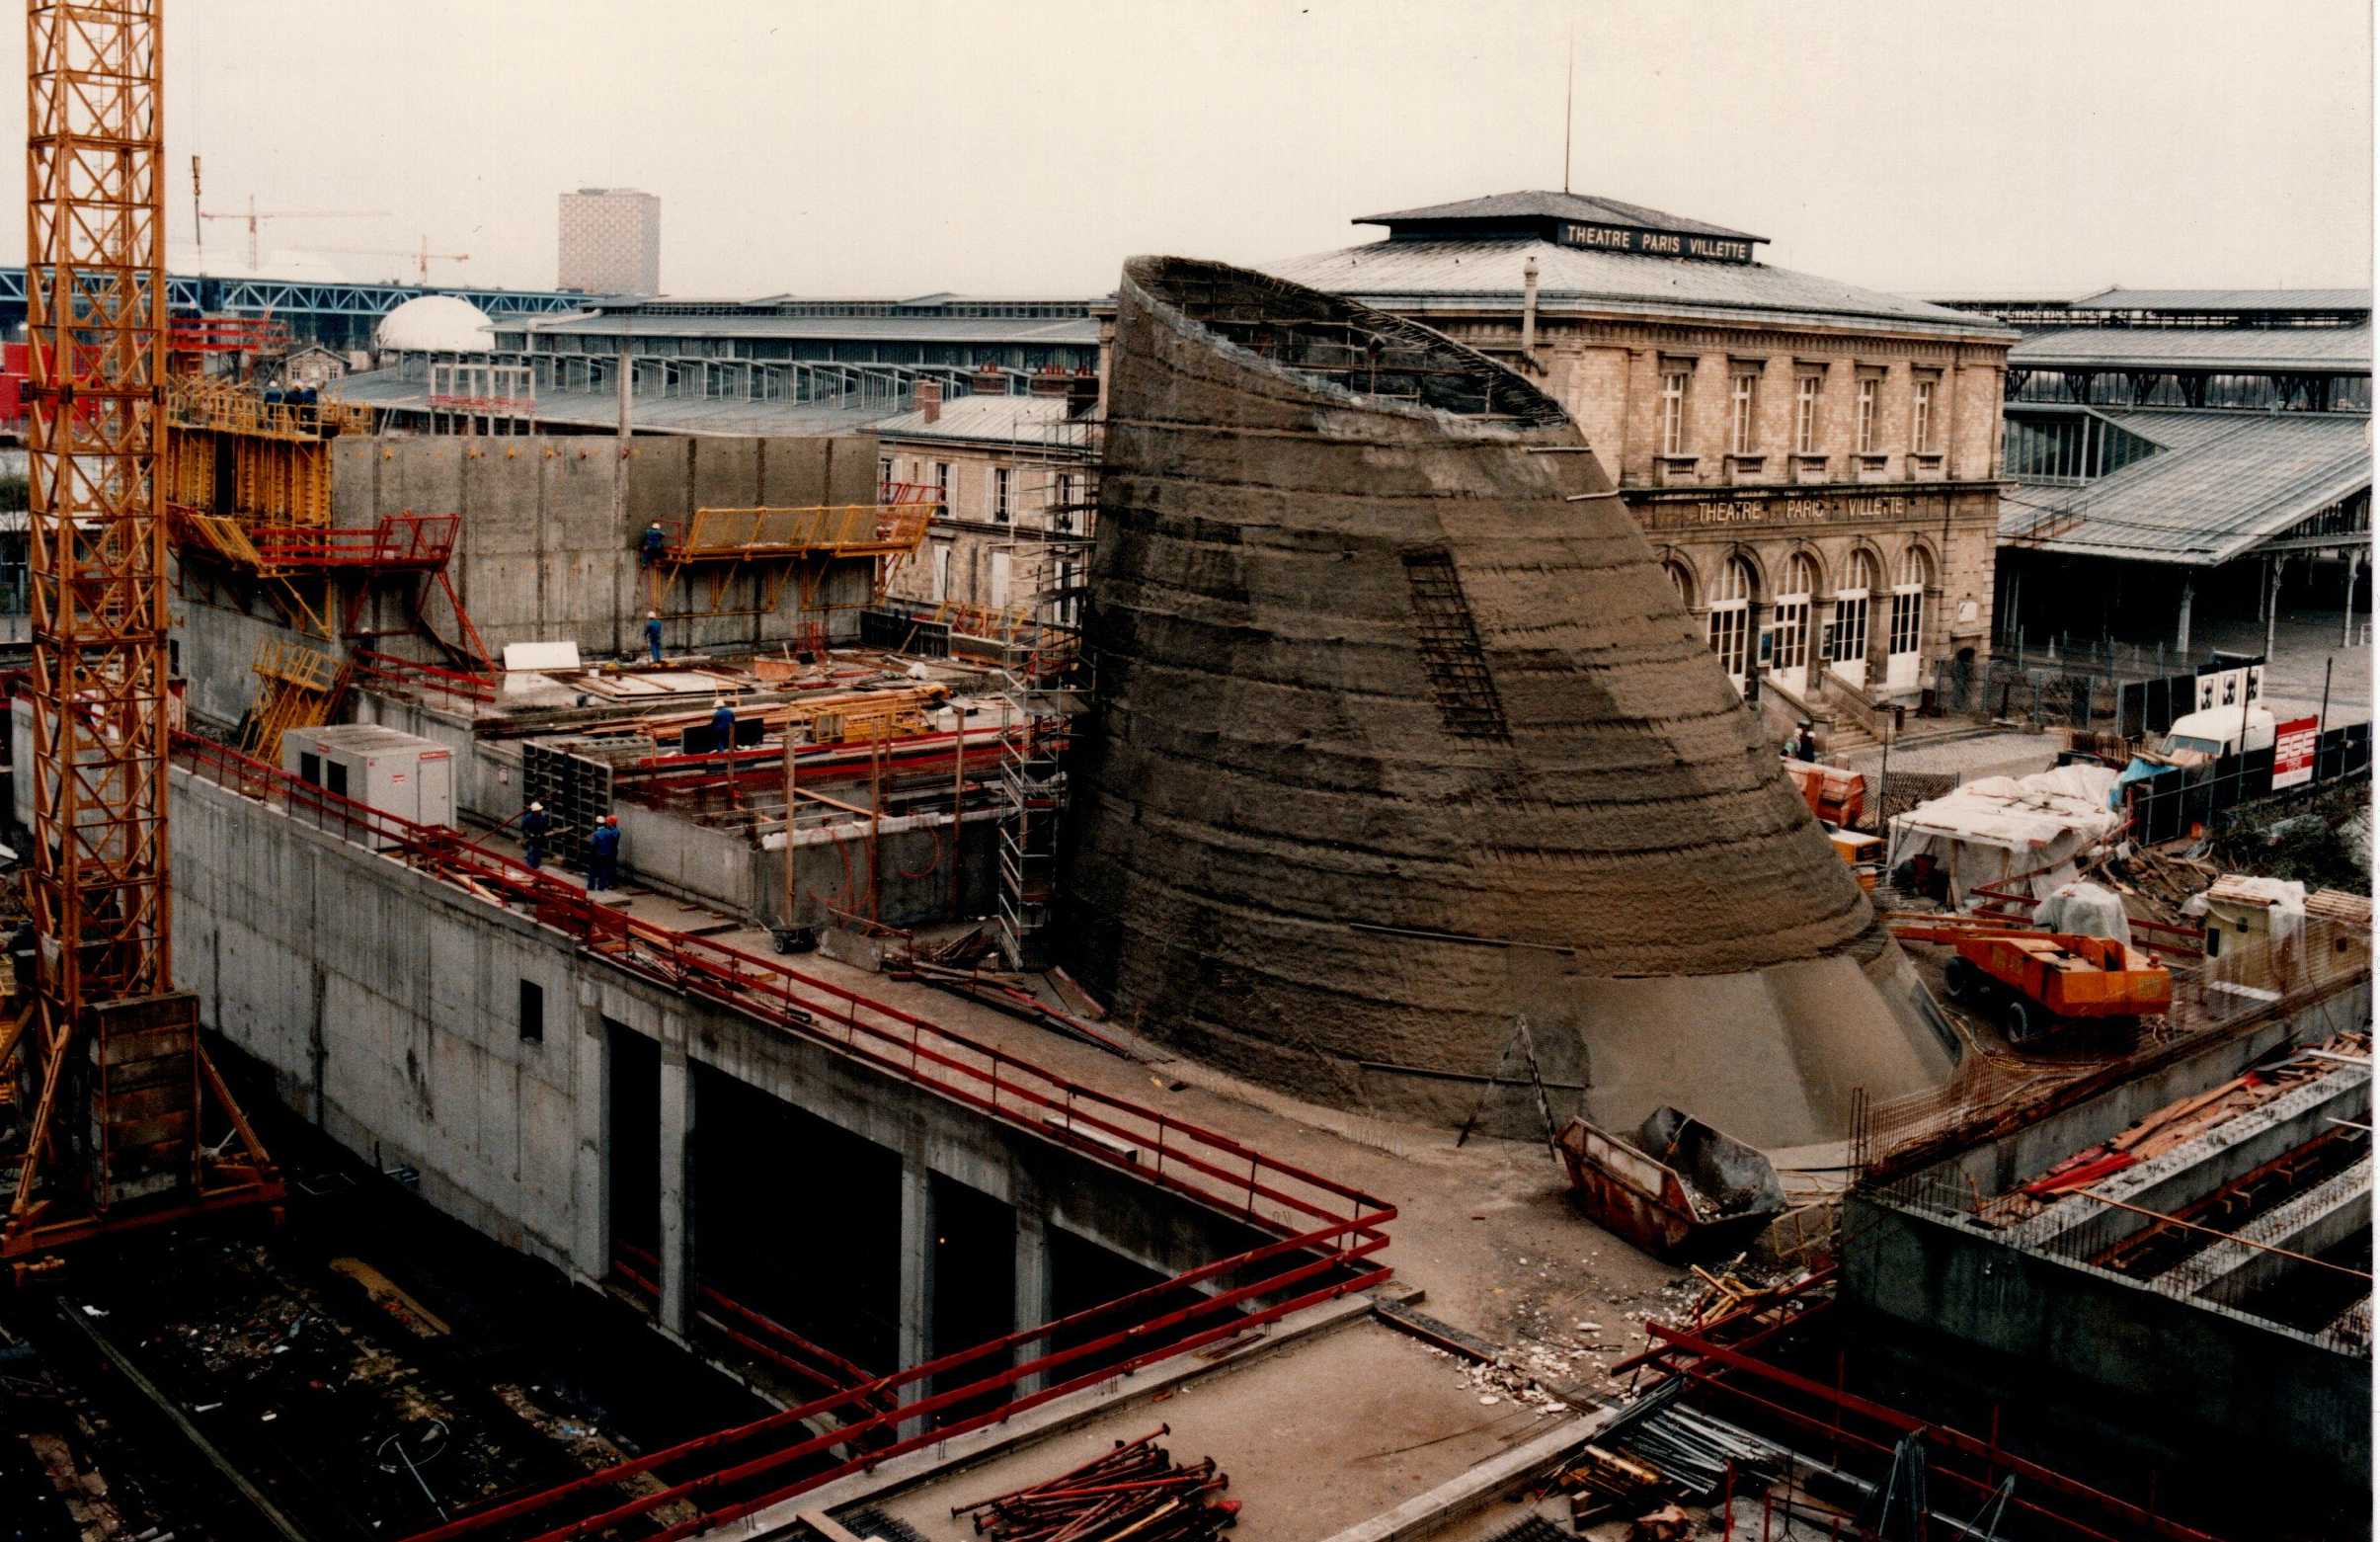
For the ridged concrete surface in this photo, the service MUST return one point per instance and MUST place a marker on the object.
(1273, 771)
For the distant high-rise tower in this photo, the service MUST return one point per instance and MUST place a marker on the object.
(610, 241)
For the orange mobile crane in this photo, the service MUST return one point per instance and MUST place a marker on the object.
(123, 1091)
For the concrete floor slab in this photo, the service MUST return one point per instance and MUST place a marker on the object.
(1319, 1438)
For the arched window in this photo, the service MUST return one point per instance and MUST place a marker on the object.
(1792, 626)
(1682, 581)
(1731, 616)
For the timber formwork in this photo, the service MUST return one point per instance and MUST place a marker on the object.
(117, 1136)
(773, 549)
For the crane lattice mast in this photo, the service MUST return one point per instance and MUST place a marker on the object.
(124, 1082)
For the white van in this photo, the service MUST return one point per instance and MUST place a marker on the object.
(2210, 735)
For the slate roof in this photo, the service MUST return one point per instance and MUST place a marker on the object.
(1403, 276)
(2237, 300)
(387, 389)
(1033, 420)
(2250, 349)
(2222, 482)
(889, 329)
(1554, 205)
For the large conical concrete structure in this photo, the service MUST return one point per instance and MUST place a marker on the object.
(1402, 739)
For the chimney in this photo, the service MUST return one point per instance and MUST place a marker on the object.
(1529, 309)
(930, 400)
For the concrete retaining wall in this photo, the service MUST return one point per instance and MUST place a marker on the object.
(388, 1007)
(542, 556)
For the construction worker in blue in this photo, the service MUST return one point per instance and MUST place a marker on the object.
(654, 541)
(722, 724)
(604, 855)
(653, 634)
(536, 827)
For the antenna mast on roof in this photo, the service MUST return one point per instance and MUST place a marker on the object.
(1569, 89)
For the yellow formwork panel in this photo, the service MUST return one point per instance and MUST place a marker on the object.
(281, 481)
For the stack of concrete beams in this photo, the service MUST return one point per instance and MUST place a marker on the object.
(1403, 741)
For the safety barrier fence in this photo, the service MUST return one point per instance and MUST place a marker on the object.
(387, 671)
(1325, 1233)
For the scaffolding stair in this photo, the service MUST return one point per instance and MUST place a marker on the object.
(297, 686)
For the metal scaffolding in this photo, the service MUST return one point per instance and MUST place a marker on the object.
(1046, 680)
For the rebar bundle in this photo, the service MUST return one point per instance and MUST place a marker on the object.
(1134, 1490)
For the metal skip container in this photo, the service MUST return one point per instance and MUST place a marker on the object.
(1677, 1187)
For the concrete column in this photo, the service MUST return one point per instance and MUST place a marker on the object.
(591, 1166)
(916, 1275)
(677, 1210)
(2182, 634)
(2272, 600)
(2347, 607)
(1035, 1296)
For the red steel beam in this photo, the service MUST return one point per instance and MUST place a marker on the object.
(1908, 1423)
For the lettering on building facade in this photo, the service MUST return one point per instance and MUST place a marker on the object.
(1844, 509)
(1654, 243)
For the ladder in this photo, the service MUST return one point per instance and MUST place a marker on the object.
(1451, 654)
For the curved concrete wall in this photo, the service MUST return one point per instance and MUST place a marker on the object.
(1300, 761)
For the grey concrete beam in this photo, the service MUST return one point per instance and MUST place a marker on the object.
(2196, 1168)
(2319, 1219)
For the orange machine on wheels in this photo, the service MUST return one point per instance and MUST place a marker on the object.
(2036, 980)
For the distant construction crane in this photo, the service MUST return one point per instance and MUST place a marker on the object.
(423, 257)
(253, 219)
(118, 1137)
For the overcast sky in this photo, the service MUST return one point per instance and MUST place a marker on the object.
(897, 146)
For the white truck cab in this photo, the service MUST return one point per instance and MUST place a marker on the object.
(2200, 737)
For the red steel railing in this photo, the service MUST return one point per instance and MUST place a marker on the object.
(1323, 1231)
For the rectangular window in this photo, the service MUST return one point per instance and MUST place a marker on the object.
(336, 777)
(1739, 422)
(1793, 633)
(309, 767)
(1000, 494)
(1921, 416)
(533, 1013)
(1672, 413)
(1805, 415)
(942, 489)
(1868, 417)
(883, 469)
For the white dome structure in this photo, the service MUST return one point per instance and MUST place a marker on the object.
(435, 324)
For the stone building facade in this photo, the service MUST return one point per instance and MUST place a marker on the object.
(1012, 478)
(1816, 464)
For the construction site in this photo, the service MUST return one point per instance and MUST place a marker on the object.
(546, 1002)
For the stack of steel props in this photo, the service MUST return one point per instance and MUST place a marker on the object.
(1134, 1490)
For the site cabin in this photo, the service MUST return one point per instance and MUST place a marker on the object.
(2201, 737)
(2040, 980)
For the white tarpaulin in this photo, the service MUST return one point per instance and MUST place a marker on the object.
(2087, 910)
(2003, 827)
